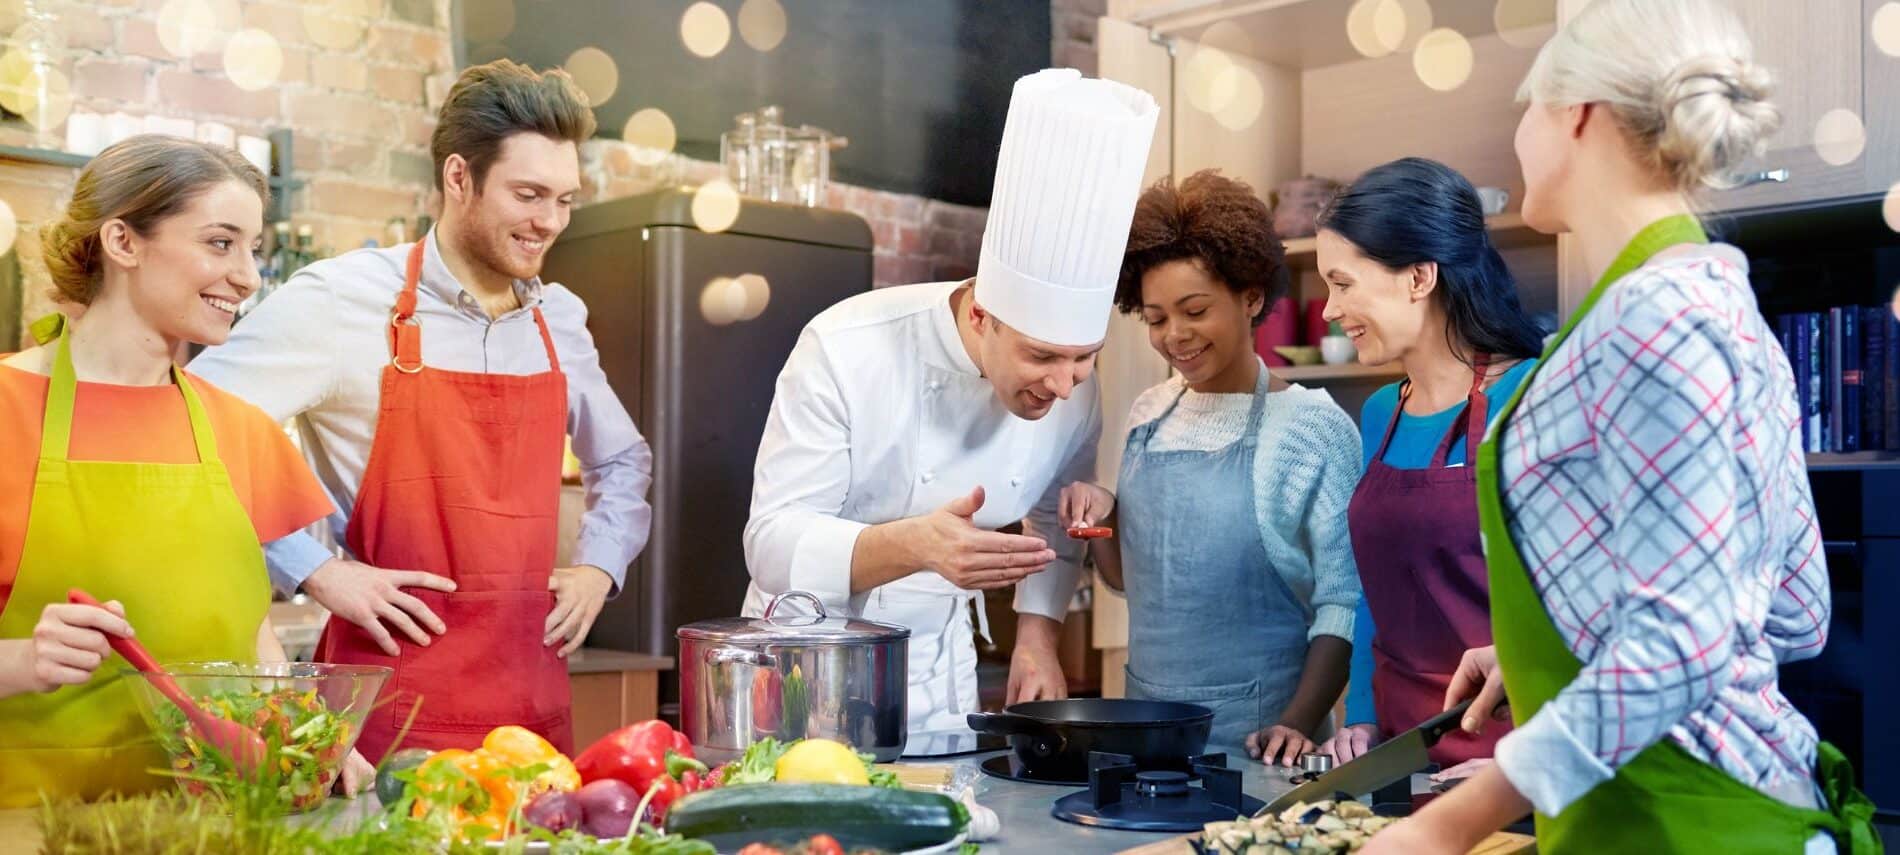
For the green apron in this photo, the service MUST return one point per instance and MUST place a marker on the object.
(171, 542)
(1663, 800)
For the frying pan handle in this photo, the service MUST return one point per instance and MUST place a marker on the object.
(1007, 724)
(1445, 722)
(1045, 740)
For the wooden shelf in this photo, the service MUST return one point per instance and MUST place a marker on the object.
(41, 155)
(1325, 373)
(1853, 461)
(1508, 231)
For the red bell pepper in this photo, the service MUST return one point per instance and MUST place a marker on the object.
(649, 756)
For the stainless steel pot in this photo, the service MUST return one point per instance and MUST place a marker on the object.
(791, 677)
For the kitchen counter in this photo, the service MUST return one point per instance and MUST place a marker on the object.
(1027, 826)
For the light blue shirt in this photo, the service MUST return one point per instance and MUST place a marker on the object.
(1413, 444)
(314, 351)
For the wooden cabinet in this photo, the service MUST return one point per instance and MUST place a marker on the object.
(1823, 60)
(611, 689)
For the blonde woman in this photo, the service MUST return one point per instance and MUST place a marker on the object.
(1649, 529)
(125, 476)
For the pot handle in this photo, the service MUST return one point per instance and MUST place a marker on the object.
(817, 605)
(732, 655)
(1045, 739)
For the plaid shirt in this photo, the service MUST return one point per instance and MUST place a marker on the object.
(1656, 488)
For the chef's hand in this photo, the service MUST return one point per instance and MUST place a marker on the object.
(1035, 671)
(1278, 743)
(368, 596)
(1084, 505)
(67, 645)
(1350, 742)
(358, 775)
(579, 592)
(1463, 770)
(1478, 674)
(952, 546)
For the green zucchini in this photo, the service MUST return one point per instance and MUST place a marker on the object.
(877, 817)
(389, 788)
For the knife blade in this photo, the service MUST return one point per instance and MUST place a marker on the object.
(1393, 760)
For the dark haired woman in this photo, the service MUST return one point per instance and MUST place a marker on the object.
(1231, 540)
(1412, 278)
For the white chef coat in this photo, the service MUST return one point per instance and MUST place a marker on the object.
(881, 415)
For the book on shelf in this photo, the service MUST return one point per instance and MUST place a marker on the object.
(1846, 363)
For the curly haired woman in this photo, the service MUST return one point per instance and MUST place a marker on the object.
(1233, 487)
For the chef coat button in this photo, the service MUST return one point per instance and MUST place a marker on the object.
(1016, 481)
(928, 477)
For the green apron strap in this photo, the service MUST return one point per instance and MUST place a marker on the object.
(201, 435)
(56, 425)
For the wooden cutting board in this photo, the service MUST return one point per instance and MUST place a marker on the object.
(1499, 843)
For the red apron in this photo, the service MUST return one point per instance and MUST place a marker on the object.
(463, 480)
(1421, 563)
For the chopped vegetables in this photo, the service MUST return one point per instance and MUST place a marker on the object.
(306, 743)
(1321, 827)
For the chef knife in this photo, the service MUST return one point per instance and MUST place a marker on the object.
(1394, 760)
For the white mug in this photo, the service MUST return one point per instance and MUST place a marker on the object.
(1336, 350)
(1493, 200)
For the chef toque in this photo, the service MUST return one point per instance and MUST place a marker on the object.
(1067, 178)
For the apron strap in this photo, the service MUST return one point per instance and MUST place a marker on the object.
(1392, 424)
(1251, 436)
(405, 334)
(201, 434)
(56, 425)
(547, 339)
(1476, 406)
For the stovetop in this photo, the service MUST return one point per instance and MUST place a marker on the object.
(1122, 795)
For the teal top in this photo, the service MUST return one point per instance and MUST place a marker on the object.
(1413, 444)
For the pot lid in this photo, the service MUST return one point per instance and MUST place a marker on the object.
(779, 626)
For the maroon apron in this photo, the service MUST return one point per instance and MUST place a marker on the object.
(1421, 562)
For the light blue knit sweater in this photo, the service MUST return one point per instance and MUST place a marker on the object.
(1306, 466)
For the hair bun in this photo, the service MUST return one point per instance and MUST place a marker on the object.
(71, 258)
(1715, 115)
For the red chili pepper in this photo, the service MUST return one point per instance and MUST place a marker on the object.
(1090, 532)
(646, 755)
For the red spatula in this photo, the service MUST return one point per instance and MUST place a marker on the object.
(242, 744)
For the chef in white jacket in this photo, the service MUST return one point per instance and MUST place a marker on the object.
(911, 422)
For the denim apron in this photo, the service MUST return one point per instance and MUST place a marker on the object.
(1210, 622)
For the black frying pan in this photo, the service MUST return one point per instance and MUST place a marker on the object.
(1053, 738)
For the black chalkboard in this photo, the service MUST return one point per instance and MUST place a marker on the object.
(920, 87)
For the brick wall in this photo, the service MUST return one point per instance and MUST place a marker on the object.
(362, 118)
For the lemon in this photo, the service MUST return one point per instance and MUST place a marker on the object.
(821, 761)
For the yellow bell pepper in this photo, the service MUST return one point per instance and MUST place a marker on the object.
(520, 747)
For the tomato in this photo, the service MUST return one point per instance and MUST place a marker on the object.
(823, 844)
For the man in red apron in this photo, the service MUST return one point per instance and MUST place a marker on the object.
(434, 384)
